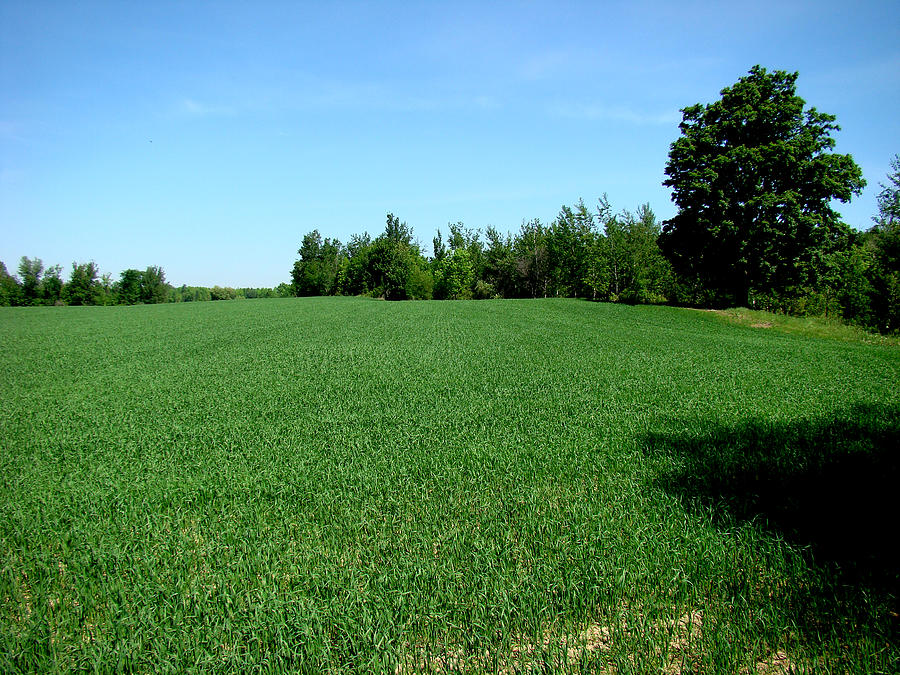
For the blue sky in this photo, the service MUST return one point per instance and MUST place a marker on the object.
(209, 137)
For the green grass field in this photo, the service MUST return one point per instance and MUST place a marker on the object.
(349, 485)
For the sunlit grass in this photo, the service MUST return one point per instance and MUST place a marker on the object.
(350, 485)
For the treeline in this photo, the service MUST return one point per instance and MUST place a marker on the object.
(206, 293)
(599, 255)
(583, 253)
(34, 285)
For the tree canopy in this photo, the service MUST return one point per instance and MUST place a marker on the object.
(753, 177)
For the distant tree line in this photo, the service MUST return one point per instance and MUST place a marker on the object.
(206, 293)
(36, 285)
(584, 252)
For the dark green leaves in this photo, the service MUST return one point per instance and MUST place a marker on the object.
(753, 181)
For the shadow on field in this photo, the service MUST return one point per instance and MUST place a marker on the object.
(832, 484)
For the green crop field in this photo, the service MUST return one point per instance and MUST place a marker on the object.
(349, 485)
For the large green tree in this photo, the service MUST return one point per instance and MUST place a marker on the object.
(754, 177)
(458, 267)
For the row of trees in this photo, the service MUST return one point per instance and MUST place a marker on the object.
(35, 285)
(583, 253)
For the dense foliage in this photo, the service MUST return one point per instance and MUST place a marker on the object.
(753, 178)
(343, 485)
(582, 253)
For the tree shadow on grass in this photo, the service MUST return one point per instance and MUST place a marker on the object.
(829, 485)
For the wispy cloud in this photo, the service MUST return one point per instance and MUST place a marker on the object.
(614, 114)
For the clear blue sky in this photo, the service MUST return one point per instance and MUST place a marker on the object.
(209, 137)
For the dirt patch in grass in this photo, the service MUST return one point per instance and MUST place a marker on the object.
(679, 648)
(777, 664)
